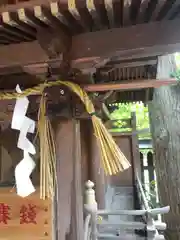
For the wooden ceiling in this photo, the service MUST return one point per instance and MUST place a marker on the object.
(99, 38)
(21, 19)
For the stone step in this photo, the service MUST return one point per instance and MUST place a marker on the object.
(124, 191)
(119, 198)
(120, 237)
(119, 194)
(128, 237)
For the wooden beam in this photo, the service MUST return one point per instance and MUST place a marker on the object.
(77, 183)
(65, 178)
(123, 86)
(41, 67)
(148, 40)
(22, 53)
(156, 38)
(128, 85)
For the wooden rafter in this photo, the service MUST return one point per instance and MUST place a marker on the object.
(159, 6)
(173, 10)
(126, 12)
(142, 10)
(10, 20)
(90, 15)
(110, 11)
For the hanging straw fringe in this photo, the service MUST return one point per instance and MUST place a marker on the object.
(113, 160)
(47, 154)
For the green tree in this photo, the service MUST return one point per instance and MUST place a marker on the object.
(164, 122)
(123, 111)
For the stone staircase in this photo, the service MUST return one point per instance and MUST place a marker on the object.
(120, 198)
(118, 220)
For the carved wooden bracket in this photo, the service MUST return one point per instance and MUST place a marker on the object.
(55, 41)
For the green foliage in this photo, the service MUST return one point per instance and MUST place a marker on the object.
(177, 73)
(177, 59)
(123, 111)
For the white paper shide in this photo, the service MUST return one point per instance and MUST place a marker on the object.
(25, 167)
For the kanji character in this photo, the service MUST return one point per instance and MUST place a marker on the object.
(4, 213)
(28, 214)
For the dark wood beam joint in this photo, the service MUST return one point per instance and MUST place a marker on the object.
(56, 43)
(53, 42)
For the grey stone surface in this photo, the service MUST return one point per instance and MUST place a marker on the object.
(119, 198)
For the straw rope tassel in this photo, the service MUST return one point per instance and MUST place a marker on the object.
(47, 154)
(113, 160)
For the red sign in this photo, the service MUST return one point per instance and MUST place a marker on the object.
(4, 213)
(27, 213)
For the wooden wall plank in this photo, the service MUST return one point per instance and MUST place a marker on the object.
(14, 229)
(97, 171)
(124, 178)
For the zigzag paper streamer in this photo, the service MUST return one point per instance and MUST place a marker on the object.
(25, 125)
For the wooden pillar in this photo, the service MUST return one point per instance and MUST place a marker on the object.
(136, 165)
(0, 158)
(69, 191)
(97, 172)
(77, 184)
(85, 150)
(136, 162)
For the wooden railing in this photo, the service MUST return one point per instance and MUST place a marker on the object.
(98, 228)
(141, 194)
